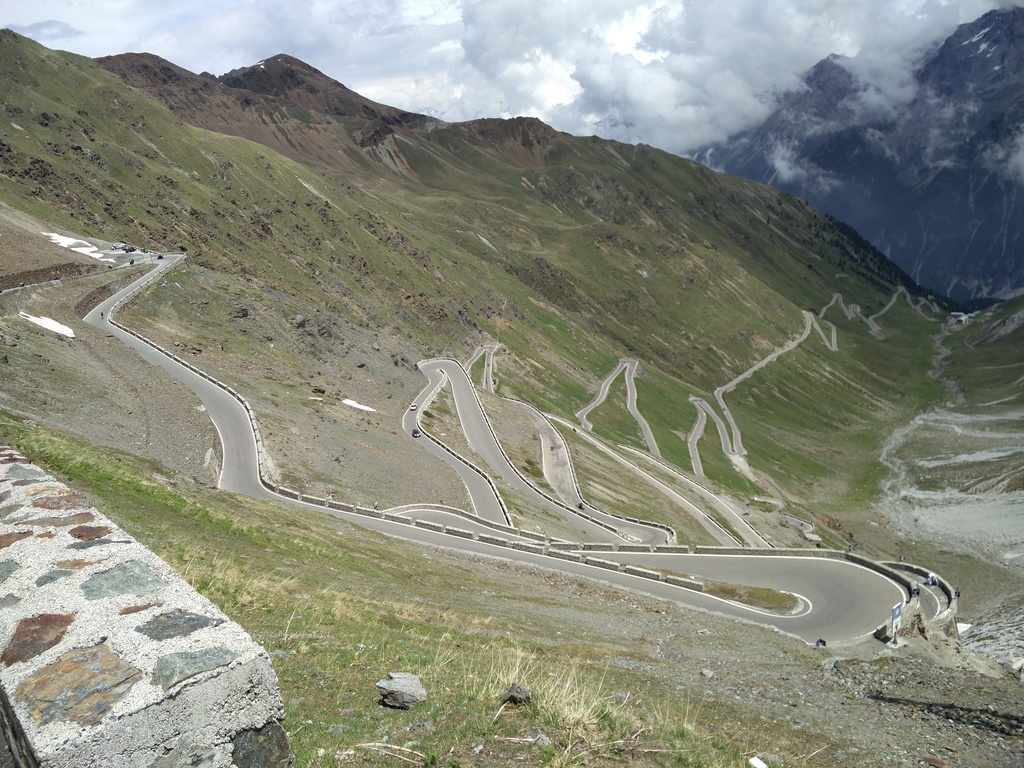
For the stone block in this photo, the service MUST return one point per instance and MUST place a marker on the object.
(496, 540)
(525, 546)
(679, 581)
(112, 659)
(645, 573)
(573, 557)
(596, 561)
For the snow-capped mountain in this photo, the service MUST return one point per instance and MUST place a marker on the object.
(935, 181)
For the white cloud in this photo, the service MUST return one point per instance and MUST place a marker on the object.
(786, 164)
(1007, 159)
(1015, 160)
(50, 32)
(674, 73)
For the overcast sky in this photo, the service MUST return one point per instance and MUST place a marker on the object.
(673, 73)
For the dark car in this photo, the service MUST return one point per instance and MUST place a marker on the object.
(415, 433)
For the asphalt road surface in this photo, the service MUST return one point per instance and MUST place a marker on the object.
(482, 440)
(840, 602)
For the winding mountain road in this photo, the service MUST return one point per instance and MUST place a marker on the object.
(482, 440)
(239, 467)
(840, 600)
(629, 366)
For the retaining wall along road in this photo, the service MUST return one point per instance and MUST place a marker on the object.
(109, 658)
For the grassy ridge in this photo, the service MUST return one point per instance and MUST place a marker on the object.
(332, 638)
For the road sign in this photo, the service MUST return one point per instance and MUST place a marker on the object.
(897, 615)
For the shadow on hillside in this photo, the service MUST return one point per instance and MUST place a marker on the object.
(984, 719)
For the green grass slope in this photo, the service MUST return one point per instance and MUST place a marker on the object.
(306, 587)
(310, 278)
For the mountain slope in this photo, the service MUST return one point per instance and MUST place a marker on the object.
(322, 276)
(321, 122)
(328, 278)
(935, 182)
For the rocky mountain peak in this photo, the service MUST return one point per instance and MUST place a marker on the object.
(933, 180)
(278, 76)
(145, 70)
(830, 75)
(287, 78)
(980, 58)
(829, 84)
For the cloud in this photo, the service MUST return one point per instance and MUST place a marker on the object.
(1015, 161)
(1007, 158)
(48, 31)
(787, 164)
(673, 73)
(680, 75)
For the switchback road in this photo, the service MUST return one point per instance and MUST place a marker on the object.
(840, 601)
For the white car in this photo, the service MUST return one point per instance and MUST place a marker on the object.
(412, 407)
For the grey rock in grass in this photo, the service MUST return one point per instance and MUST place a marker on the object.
(401, 690)
(517, 695)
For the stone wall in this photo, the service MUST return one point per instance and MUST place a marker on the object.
(110, 658)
